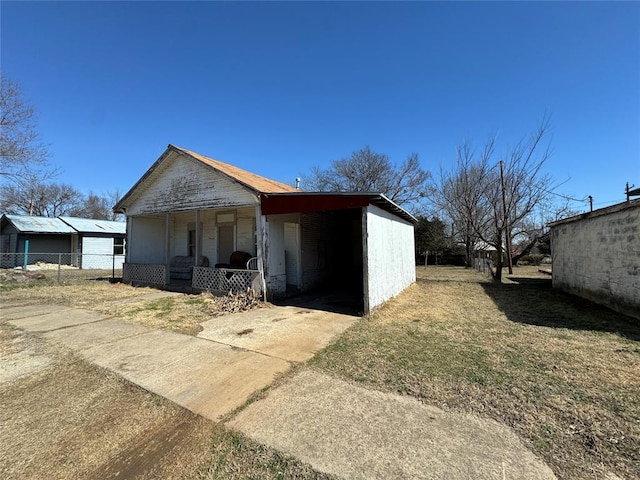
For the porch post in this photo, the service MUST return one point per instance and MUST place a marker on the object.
(167, 248)
(198, 234)
(128, 236)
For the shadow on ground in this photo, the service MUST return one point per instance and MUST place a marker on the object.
(533, 301)
(345, 302)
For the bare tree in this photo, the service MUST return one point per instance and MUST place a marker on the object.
(488, 200)
(366, 171)
(98, 207)
(530, 231)
(22, 153)
(461, 195)
(30, 196)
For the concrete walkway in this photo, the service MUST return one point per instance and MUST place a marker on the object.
(337, 427)
(208, 378)
(357, 433)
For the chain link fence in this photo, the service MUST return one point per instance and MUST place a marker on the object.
(62, 267)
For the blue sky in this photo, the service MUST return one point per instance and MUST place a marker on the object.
(277, 88)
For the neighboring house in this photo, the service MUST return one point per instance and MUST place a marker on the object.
(596, 255)
(192, 211)
(81, 242)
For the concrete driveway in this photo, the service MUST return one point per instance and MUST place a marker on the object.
(291, 333)
(211, 375)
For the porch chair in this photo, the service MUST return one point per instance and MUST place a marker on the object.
(238, 260)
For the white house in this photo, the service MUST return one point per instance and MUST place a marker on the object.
(217, 227)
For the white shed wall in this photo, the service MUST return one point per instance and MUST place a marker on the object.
(598, 258)
(180, 183)
(389, 256)
(97, 252)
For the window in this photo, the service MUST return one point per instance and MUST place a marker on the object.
(191, 243)
(118, 246)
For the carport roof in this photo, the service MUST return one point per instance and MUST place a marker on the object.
(306, 202)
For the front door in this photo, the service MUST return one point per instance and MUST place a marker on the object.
(226, 244)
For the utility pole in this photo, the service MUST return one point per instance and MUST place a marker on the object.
(590, 203)
(507, 226)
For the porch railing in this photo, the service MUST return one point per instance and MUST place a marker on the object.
(153, 274)
(218, 280)
(225, 280)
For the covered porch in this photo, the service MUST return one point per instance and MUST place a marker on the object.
(213, 249)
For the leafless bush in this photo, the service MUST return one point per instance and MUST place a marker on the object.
(233, 302)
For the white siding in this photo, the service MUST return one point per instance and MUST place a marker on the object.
(180, 183)
(146, 237)
(599, 258)
(97, 252)
(389, 256)
(209, 233)
(245, 231)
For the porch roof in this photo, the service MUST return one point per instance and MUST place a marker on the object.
(305, 202)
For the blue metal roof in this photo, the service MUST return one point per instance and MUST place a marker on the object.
(65, 225)
(88, 225)
(27, 224)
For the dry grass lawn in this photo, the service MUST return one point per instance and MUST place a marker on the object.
(562, 372)
(181, 313)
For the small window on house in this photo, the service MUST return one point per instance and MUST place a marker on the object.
(191, 243)
(118, 246)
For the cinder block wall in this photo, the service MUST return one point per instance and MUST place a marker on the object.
(597, 256)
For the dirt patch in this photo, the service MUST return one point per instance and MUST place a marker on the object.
(562, 372)
(20, 355)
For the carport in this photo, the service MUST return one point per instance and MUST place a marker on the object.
(359, 245)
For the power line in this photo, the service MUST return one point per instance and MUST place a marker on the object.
(566, 197)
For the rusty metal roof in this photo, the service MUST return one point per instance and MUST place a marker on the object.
(256, 182)
(27, 224)
(247, 179)
(88, 225)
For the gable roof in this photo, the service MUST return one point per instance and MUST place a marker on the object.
(253, 181)
(256, 183)
(27, 224)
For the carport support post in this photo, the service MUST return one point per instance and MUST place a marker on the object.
(59, 265)
(261, 248)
